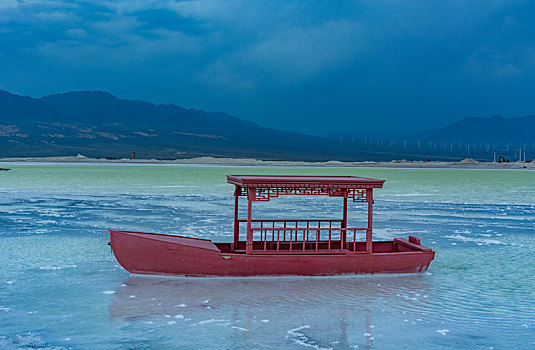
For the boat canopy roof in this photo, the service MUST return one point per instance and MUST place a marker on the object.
(292, 181)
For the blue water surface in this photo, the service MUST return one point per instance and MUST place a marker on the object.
(61, 288)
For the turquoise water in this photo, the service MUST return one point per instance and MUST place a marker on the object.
(60, 287)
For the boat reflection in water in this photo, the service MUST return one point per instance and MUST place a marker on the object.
(323, 312)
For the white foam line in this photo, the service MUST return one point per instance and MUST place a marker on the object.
(208, 321)
(474, 239)
(302, 339)
(57, 267)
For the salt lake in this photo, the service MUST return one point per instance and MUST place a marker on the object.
(60, 286)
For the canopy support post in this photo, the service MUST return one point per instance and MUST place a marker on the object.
(236, 222)
(343, 233)
(249, 243)
(369, 199)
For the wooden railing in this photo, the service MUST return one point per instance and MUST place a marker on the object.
(303, 239)
(302, 236)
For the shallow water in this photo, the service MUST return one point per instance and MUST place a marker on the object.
(60, 287)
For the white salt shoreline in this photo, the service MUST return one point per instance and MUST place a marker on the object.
(464, 164)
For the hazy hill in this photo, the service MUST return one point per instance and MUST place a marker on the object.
(491, 130)
(472, 129)
(474, 137)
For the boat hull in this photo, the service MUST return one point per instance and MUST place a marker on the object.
(149, 253)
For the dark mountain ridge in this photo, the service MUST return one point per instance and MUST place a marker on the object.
(16, 108)
(99, 124)
(104, 108)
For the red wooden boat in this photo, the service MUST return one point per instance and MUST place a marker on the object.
(278, 247)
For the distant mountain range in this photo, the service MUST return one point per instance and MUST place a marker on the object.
(490, 130)
(98, 124)
(473, 137)
(472, 129)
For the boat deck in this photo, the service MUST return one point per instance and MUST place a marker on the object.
(323, 247)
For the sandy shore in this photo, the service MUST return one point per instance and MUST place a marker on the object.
(464, 164)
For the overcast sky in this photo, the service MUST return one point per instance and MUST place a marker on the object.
(307, 65)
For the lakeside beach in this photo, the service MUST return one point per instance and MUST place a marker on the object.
(468, 163)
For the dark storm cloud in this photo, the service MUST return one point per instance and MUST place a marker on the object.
(303, 65)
